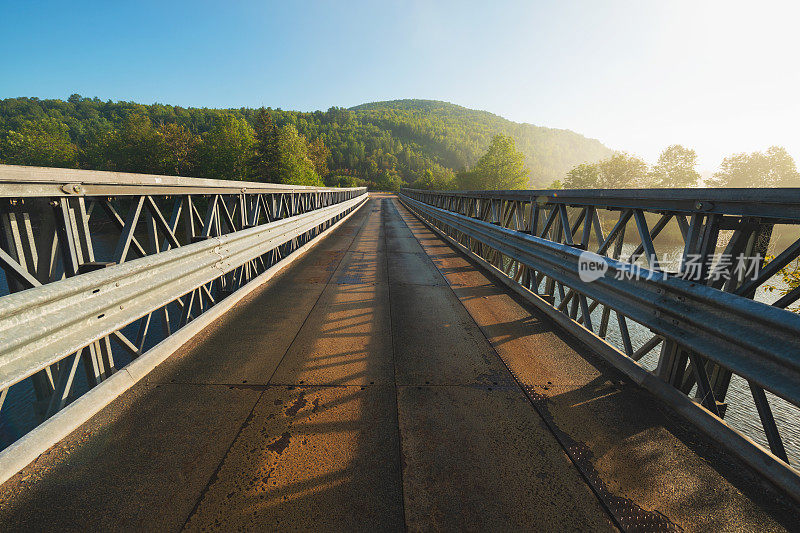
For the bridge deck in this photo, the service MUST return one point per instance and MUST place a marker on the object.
(368, 387)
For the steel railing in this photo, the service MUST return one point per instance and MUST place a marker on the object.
(108, 273)
(687, 334)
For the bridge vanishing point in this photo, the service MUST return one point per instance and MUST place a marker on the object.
(180, 353)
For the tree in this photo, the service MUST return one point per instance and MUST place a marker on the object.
(282, 155)
(773, 168)
(389, 181)
(134, 146)
(226, 149)
(675, 168)
(264, 163)
(294, 166)
(319, 155)
(343, 181)
(440, 179)
(583, 176)
(620, 171)
(44, 143)
(501, 167)
(179, 144)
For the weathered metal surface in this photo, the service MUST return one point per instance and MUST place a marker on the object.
(479, 458)
(773, 204)
(45, 324)
(756, 341)
(22, 182)
(103, 268)
(651, 471)
(52, 430)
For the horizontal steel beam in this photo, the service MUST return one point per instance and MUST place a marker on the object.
(28, 448)
(25, 182)
(42, 325)
(777, 204)
(755, 341)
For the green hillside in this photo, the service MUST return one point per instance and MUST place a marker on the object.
(377, 142)
(457, 136)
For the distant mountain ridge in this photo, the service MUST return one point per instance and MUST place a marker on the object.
(459, 135)
(377, 142)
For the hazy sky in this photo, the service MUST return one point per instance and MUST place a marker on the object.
(720, 77)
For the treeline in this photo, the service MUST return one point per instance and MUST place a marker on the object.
(157, 139)
(384, 145)
(676, 167)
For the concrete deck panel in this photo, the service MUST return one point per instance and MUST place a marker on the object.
(320, 458)
(140, 464)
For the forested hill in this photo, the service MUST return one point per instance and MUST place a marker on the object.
(384, 142)
(457, 136)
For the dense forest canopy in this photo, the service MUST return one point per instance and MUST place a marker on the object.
(384, 144)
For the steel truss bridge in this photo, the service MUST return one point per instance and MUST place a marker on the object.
(113, 278)
(702, 322)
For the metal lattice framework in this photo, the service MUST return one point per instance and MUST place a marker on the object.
(684, 333)
(101, 267)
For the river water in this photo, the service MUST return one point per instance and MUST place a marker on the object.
(18, 414)
(741, 413)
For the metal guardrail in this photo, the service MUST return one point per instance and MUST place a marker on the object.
(105, 268)
(684, 334)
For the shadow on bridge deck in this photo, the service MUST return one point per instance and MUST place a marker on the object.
(368, 387)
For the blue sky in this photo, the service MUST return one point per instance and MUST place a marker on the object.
(719, 77)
